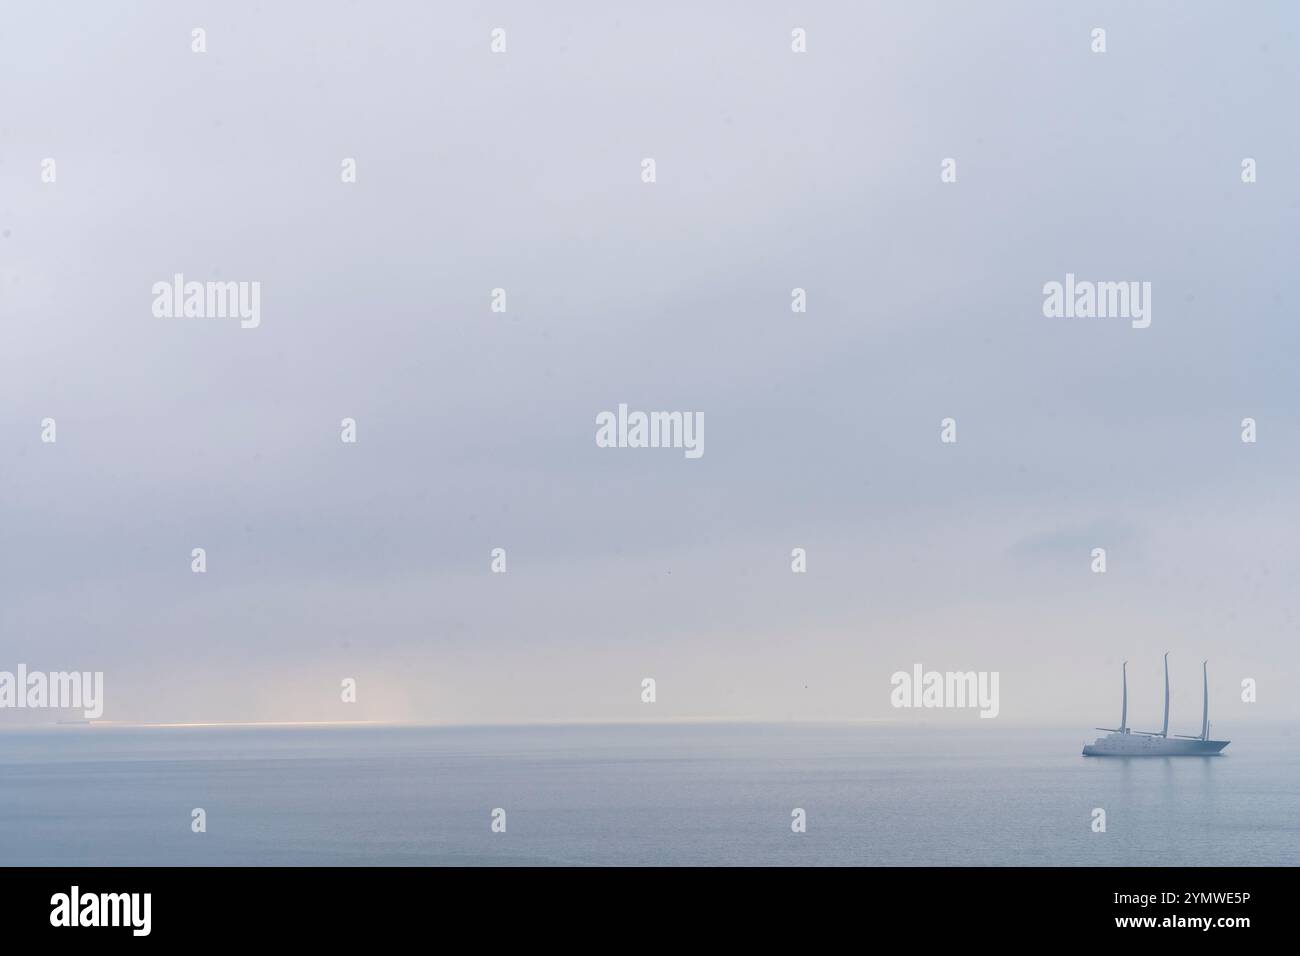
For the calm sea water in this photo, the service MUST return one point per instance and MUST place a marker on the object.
(636, 794)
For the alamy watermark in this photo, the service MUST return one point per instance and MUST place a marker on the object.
(651, 430)
(208, 300)
(1076, 299)
(53, 690)
(950, 689)
(75, 908)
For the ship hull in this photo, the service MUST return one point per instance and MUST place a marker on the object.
(1140, 745)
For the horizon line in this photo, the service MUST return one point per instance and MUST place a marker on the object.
(942, 723)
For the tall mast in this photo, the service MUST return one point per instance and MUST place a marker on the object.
(1205, 706)
(1165, 731)
(1123, 714)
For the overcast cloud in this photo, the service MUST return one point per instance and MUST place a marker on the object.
(475, 429)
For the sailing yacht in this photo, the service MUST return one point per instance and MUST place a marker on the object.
(1122, 742)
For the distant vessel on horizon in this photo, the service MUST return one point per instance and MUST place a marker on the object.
(1122, 742)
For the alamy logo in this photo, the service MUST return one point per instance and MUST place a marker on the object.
(953, 689)
(57, 689)
(651, 430)
(1098, 300)
(103, 909)
(208, 300)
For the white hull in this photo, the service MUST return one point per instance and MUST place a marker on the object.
(1142, 745)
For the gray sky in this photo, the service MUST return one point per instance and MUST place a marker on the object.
(476, 430)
